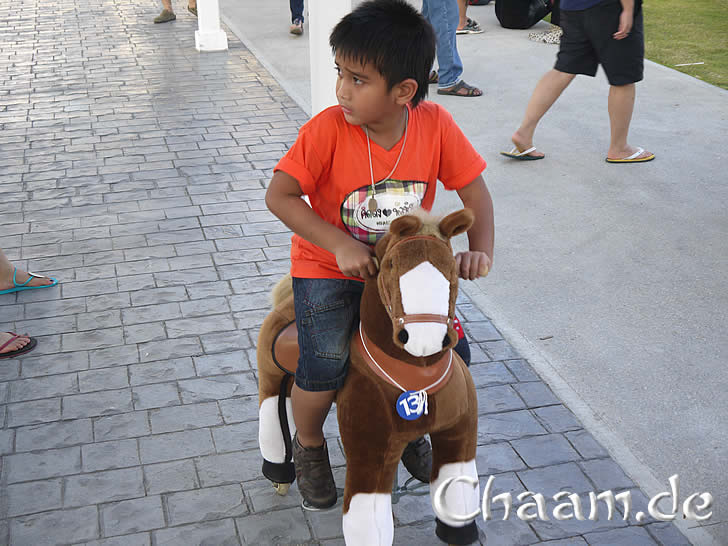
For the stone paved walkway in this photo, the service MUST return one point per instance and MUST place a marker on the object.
(133, 168)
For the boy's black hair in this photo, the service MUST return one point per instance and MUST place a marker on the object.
(391, 35)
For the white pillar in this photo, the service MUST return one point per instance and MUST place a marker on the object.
(209, 36)
(322, 18)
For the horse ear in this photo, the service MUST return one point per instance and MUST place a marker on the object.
(456, 223)
(405, 225)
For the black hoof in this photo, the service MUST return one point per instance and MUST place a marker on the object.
(457, 535)
(279, 472)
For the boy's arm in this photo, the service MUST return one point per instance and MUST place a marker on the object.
(626, 18)
(479, 259)
(283, 198)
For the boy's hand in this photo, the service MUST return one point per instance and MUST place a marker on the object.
(355, 259)
(472, 264)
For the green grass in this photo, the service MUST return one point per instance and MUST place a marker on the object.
(689, 31)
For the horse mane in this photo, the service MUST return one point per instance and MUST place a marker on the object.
(430, 223)
(282, 290)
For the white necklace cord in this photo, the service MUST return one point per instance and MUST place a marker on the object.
(369, 151)
(422, 393)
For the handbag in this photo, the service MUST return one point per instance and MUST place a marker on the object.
(521, 13)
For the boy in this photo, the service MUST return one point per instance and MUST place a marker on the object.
(383, 53)
(606, 32)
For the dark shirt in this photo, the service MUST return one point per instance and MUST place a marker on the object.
(574, 5)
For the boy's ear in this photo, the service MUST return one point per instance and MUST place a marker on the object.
(405, 91)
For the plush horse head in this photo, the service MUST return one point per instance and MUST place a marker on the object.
(417, 287)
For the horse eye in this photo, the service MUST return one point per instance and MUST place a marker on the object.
(403, 336)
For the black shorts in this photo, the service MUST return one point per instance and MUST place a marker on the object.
(587, 42)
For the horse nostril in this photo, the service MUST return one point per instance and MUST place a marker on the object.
(446, 341)
(403, 336)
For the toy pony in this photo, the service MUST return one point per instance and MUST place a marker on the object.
(404, 381)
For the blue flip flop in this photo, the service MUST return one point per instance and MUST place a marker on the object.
(19, 287)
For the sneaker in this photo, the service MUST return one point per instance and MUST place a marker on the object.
(314, 476)
(417, 459)
(165, 16)
(296, 27)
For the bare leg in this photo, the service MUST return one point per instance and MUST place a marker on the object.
(621, 105)
(167, 4)
(548, 89)
(462, 9)
(309, 413)
(192, 4)
(6, 276)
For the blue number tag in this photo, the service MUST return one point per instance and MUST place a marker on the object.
(410, 405)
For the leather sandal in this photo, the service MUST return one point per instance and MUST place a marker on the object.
(455, 90)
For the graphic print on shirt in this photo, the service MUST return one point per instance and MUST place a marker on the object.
(394, 198)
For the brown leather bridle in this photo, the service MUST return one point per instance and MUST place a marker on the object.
(403, 319)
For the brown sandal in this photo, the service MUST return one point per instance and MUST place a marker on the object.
(455, 90)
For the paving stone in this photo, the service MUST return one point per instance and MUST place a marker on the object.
(629, 536)
(217, 387)
(536, 394)
(510, 425)
(155, 396)
(165, 370)
(223, 363)
(65, 526)
(499, 350)
(125, 425)
(93, 339)
(550, 480)
(186, 418)
(498, 399)
(235, 410)
(142, 333)
(97, 403)
(288, 527)
(224, 342)
(239, 466)
(132, 516)
(219, 533)
(490, 373)
(263, 497)
(606, 474)
(46, 464)
(209, 503)
(203, 307)
(103, 379)
(512, 530)
(497, 458)
(31, 497)
(557, 418)
(545, 450)
(109, 455)
(236, 437)
(482, 331)
(102, 487)
(53, 435)
(169, 349)
(667, 534)
(169, 477)
(136, 539)
(114, 356)
(31, 413)
(586, 445)
(7, 440)
(175, 445)
(43, 387)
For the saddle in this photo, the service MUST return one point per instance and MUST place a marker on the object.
(395, 372)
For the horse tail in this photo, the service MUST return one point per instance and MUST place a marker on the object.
(282, 290)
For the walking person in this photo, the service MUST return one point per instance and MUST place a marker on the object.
(168, 14)
(444, 17)
(296, 17)
(606, 32)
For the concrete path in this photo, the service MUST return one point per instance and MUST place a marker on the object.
(609, 278)
(133, 169)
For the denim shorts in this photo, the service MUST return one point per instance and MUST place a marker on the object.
(327, 312)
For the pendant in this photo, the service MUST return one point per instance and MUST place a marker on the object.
(372, 204)
(410, 405)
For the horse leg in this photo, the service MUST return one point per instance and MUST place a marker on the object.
(454, 488)
(275, 430)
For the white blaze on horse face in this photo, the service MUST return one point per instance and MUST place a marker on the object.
(270, 437)
(424, 290)
(369, 520)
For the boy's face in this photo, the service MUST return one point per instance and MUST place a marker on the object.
(362, 93)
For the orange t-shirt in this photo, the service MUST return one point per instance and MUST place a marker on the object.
(330, 162)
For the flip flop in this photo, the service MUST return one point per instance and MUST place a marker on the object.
(20, 287)
(471, 91)
(634, 158)
(26, 349)
(515, 153)
(434, 78)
